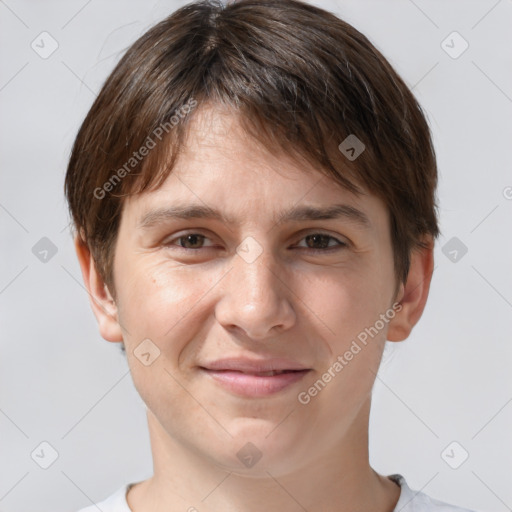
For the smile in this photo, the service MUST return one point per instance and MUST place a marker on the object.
(255, 384)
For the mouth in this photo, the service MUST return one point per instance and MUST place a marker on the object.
(254, 378)
(270, 373)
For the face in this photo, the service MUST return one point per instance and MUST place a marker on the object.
(254, 305)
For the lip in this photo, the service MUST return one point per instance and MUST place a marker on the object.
(244, 364)
(251, 378)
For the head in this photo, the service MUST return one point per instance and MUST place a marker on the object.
(254, 109)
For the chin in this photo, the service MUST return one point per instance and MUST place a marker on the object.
(259, 447)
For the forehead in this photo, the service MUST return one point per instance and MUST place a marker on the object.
(222, 167)
(216, 139)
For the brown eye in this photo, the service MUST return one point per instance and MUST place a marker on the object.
(192, 241)
(317, 241)
(188, 242)
(322, 242)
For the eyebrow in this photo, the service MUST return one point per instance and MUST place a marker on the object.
(294, 214)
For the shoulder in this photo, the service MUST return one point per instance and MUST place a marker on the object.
(416, 501)
(114, 503)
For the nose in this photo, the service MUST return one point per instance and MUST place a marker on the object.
(256, 299)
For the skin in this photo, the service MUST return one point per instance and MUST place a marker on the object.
(205, 302)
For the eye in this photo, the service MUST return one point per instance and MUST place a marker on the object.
(316, 242)
(323, 242)
(188, 241)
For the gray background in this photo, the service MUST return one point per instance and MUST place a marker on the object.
(61, 383)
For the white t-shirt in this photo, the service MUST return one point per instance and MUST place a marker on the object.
(409, 501)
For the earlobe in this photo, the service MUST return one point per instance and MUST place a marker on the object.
(413, 294)
(102, 303)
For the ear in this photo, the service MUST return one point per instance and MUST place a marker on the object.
(413, 294)
(102, 303)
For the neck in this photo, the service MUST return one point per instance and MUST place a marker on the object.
(337, 480)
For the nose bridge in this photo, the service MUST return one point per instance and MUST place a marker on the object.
(258, 277)
(255, 298)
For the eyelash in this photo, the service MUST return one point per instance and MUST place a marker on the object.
(340, 244)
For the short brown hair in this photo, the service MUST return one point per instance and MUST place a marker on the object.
(300, 79)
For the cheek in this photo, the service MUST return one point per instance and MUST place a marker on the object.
(165, 304)
(157, 300)
(345, 303)
(350, 306)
